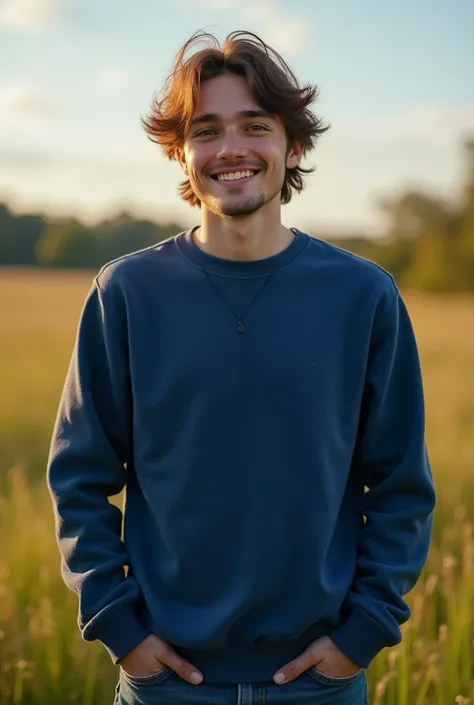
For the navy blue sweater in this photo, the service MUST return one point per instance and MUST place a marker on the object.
(277, 482)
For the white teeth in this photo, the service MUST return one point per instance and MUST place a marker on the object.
(232, 176)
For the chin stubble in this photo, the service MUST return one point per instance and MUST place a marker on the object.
(251, 205)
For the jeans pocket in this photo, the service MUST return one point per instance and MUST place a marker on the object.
(333, 680)
(117, 694)
(153, 679)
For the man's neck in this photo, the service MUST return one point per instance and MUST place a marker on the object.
(243, 238)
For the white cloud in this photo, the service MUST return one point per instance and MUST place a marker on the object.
(282, 30)
(438, 123)
(112, 79)
(21, 101)
(427, 128)
(287, 35)
(27, 14)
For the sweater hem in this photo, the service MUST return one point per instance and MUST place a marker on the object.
(256, 663)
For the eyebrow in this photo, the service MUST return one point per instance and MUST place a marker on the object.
(215, 117)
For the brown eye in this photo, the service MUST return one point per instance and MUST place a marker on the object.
(205, 133)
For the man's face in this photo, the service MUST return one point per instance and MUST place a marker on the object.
(235, 154)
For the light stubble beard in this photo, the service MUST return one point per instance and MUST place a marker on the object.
(242, 208)
(233, 210)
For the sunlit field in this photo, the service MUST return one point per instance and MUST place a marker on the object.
(43, 660)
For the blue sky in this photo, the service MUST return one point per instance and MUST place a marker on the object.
(396, 82)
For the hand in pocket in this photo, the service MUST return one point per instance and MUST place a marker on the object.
(153, 655)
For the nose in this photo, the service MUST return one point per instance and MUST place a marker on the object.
(232, 146)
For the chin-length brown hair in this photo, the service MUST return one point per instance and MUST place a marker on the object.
(272, 82)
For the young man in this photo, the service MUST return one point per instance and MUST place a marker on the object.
(258, 394)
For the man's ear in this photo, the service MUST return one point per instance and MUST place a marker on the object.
(182, 161)
(294, 155)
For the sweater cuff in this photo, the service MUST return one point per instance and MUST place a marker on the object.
(360, 638)
(120, 631)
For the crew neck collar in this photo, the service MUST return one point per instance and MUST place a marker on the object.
(241, 268)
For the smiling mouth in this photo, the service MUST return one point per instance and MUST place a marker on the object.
(236, 177)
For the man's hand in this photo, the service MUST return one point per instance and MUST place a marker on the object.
(322, 653)
(152, 655)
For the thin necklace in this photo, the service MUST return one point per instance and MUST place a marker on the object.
(240, 318)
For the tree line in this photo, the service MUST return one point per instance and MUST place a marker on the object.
(428, 244)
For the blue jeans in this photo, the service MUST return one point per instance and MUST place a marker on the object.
(311, 688)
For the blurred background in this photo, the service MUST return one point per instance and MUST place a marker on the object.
(80, 184)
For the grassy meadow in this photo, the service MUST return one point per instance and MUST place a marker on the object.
(43, 660)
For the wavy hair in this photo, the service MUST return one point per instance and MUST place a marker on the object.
(271, 81)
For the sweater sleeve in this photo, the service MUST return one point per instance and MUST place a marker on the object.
(392, 461)
(90, 447)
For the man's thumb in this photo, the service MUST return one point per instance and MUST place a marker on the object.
(183, 668)
(295, 668)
